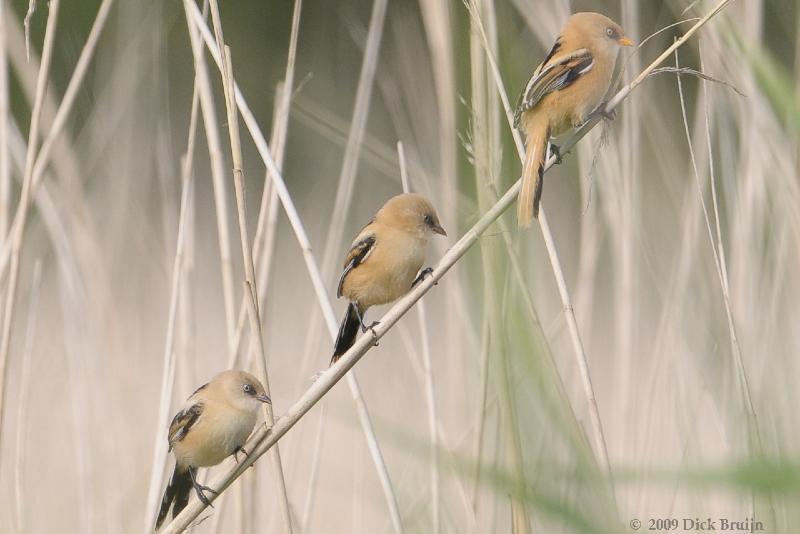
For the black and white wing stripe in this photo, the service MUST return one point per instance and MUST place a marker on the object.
(358, 254)
(557, 72)
(182, 422)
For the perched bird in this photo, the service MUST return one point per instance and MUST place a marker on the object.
(384, 261)
(563, 92)
(215, 422)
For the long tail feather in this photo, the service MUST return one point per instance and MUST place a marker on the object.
(530, 195)
(347, 332)
(177, 492)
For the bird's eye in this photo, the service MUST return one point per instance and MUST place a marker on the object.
(248, 389)
(610, 32)
(428, 220)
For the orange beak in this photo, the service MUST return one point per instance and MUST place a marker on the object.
(624, 41)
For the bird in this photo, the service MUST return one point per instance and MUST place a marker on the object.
(214, 423)
(565, 90)
(384, 261)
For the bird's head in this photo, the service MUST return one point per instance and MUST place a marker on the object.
(412, 213)
(602, 31)
(243, 390)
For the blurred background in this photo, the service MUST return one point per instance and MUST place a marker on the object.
(676, 226)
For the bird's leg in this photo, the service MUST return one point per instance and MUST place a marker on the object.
(364, 327)
(421, 276)
(199, 488)
(556, 152)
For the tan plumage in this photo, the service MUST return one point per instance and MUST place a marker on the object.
(562, 93)
(384, 260)
(214, 424)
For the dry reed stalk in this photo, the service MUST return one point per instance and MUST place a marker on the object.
(25, 198)
(262, 440)
(218, 182)
(250, 276)
(27, 25)
(193, 15)
(238, 492)
(263, 242)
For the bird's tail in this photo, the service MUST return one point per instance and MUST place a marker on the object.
(177, 492)
(347, 332)
(532, 170)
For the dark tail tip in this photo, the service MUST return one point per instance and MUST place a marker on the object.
(347, 333)
(537, 192)
(177, 492)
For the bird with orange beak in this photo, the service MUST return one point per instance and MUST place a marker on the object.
(564, 91)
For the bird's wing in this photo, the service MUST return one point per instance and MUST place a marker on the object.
(554, 74)
(182, 422)
(358, 254)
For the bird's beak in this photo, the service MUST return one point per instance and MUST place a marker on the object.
(438, 230)
(264, 398)
(624, 41)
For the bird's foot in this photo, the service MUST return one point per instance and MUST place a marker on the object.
(421, 276)
(371, 327)
(199, 489)
(237, 451)
(205, 500)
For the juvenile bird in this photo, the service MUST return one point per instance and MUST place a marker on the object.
(214, 423)
(384, 261)
(563, 92)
